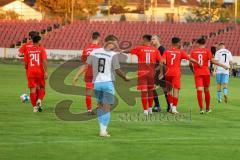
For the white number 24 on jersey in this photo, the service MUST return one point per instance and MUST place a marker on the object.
(34, 58)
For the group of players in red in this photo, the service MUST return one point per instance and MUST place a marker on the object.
(150, 60)
(35, 60)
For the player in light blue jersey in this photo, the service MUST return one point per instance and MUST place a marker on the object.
(224, 56)
(105, 64)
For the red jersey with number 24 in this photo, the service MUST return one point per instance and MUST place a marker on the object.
(34, 57)
(203, 56)
(173, 57)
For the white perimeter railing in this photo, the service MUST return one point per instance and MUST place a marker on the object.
(56, 54)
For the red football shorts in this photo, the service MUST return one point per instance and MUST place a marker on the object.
(35, 82)
(89, 78)
(146, 82)
(173, 82)
(202, 81)
(89, 85)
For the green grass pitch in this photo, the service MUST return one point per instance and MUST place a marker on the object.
(25, 135)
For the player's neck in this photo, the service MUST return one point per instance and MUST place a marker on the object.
(158, 45)
(95, 42)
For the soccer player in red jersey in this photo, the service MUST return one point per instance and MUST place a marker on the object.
(35, 59)
(173, 57)
(88, 73)
(29, 43)
(202, 73)
(147, 56)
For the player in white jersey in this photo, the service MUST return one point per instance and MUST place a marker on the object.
(105, 64)
(224, 56)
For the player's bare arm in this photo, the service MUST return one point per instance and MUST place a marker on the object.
(219, 64)
(121, 74)
(194, 61)
(81, 70)
(214, 70)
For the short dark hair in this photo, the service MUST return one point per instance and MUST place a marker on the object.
(36, 39)
(175, 40)
(95, 35)
(31, 34)
(147, 37)
(221, 43)
(201, 41)
(110, 37)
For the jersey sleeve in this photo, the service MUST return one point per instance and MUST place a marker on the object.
(164, 56)
(230, 57)
(184, 55)
(217, 56)
(115, 62)
(44, 54)
(89, 60)
(26, 57)
(135, 51)
(22, 49)
(84, 55)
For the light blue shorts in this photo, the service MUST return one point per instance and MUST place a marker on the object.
(222, 78)
(104, 92)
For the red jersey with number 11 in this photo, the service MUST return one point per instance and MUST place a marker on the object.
(148, 56)
(173, 57)
(203, 56)
(34, 57)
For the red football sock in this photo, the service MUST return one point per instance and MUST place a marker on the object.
(150, 99)
(175, 101)
(41, 93)
(199, 97)
(88, 102)
(207, 99)
(33, 97)
(144, 100)
(170, 99)
(37, 93)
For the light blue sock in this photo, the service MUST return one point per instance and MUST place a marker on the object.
(219, 95)
(100, 113)
(106, 118)
(225, 91)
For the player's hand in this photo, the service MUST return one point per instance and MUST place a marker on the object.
(74, 81)
(226, 67)
(214, 74)
(127, 78)
(160, 76)
(199, 64)
(46, 75)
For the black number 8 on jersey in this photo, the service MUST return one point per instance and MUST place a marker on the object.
(101, 65)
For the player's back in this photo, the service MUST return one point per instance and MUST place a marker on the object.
(148, 56)
(103, 64)
(34, 57)
(223, 56)
(173, 57)
(203, 56)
